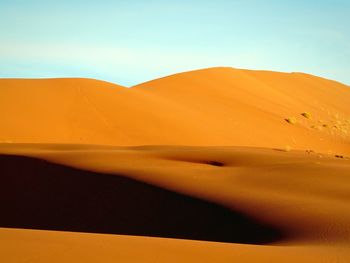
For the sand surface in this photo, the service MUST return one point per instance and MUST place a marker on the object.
(19, 246)
(215, 165)
(289, 203)
(210, 107)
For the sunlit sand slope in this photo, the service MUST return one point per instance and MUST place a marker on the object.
(19, 246)
(217, 106)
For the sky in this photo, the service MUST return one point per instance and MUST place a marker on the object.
(132, 41)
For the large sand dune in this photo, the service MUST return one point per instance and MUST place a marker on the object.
(218, 106)
(257, 161)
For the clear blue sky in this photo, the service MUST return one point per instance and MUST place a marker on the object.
(132, 41)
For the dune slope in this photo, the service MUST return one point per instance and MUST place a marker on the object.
(290, 196)
(40, 195)
(217, 106)
(289, 206)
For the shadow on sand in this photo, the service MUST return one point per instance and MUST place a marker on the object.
(38, 194)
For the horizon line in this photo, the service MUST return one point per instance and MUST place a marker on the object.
(174, 74)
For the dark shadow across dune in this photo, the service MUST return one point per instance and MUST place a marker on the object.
(38, 194)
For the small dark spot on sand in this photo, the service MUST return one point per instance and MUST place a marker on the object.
(214, 163)
(339, 156)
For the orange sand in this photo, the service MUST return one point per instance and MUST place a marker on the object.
(19, 246)
(211, 107)
(272, 190)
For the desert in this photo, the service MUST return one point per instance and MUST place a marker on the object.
(211, 165)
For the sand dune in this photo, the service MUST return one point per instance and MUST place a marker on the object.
(257, 161)
(303, 195)
(41, 195)
(218, 106)
(295, 201)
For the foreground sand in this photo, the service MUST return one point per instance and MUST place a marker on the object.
(273, 206)
(19, 246)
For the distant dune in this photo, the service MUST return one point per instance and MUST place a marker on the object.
(256, 161)
(210, 107)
